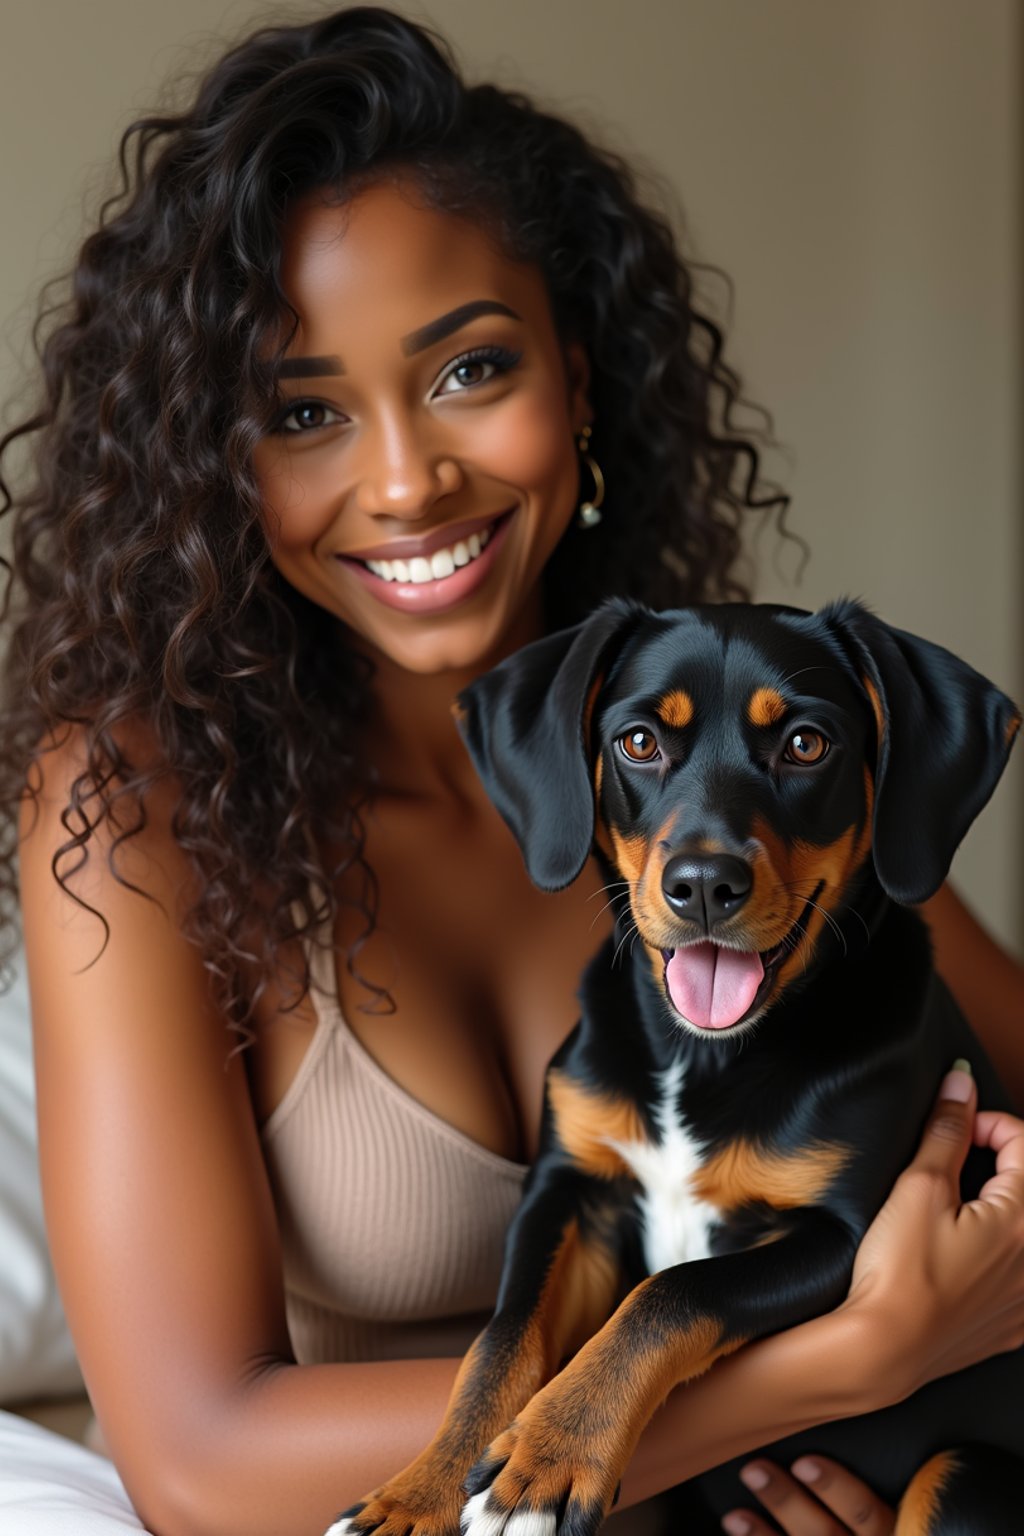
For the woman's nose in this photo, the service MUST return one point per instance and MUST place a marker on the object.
(404, 471)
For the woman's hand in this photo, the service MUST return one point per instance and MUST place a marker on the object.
(937, 1286)
(944, 1280)
(840, 1502)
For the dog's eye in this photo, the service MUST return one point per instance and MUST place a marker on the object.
(639, 746)
(806, 747)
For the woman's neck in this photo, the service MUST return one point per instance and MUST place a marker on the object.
(412, 738)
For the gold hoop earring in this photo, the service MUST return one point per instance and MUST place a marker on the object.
(589, 514)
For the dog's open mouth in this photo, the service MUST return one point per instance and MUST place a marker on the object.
(713, 987)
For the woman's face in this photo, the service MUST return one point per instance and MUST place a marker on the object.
(423, 464)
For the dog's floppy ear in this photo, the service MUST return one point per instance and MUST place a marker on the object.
(944, 736)
(525, 725)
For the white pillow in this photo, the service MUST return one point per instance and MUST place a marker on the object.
(49, 1486)
(37, 1358)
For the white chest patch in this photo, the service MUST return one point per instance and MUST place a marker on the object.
(676, 1224)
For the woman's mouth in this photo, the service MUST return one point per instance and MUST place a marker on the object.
(432, 582)
(442, 563)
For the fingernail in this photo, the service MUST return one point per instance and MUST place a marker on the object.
(806, 1470)
(958, 1083)
(755, 1477)
(736, 1524)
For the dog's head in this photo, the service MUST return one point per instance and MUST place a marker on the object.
(737, 765)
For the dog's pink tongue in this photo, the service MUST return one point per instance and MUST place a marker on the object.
(713, 987)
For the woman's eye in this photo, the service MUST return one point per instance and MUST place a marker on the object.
(639, 746)
(307, 416)
(806, 747)
(475, 368)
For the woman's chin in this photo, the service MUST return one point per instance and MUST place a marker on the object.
(455, 649)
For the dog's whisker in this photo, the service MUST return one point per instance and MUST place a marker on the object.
(631, 930)
(622, 896)
(830, 920)
(834, 925)
(608, 885)
(818, 667)
(794, 885)
(863, 922)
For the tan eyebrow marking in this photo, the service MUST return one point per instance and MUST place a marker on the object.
(454, 320)
(766, 707)
(676, 708)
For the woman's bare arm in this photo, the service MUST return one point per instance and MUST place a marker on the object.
(162, 1226)
(986, 981)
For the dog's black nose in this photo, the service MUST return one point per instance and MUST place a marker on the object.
(706, 888)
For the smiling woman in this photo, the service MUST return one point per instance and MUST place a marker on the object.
(429, 444)
(333, 374)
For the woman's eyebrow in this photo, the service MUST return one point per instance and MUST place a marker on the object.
(454, 320)
(416, 341)
(309, 367)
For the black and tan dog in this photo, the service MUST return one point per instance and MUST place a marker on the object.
(759, 1046)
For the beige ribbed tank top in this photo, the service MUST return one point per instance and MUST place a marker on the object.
(392, 1221)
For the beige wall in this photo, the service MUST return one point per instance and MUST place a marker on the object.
(856, 168)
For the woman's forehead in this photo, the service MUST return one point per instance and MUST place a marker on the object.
(387, 265)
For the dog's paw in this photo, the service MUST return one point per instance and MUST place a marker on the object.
(534, 1481)
(407, 1506)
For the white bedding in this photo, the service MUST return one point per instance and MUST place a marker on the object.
(49, 1486)
(36, 1355)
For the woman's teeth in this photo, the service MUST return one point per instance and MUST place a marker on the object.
(443, 562)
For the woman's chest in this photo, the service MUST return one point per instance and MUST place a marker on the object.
(462, 985)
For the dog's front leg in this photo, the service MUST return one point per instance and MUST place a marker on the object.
(560, 1283)
(564, 1455)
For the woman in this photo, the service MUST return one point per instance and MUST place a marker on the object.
(314, 438)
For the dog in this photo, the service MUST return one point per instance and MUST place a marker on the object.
(771, 793)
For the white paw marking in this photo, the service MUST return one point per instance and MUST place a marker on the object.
(477, 1520)
(340, 1528)
(532, 1522)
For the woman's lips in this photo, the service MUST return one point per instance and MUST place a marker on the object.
(438, 594)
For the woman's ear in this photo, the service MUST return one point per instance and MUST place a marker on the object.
(577, 372)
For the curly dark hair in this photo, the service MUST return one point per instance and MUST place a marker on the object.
(139, 587)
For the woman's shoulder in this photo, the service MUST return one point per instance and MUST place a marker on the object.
(104, 882)
(107, 888)
(85, 798)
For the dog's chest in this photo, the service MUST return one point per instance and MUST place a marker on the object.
(677, 1222)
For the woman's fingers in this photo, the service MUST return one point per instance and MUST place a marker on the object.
(1004, 1134)
(740, 1522)
(845, 1495)
(817, 1497)
(948, 1133)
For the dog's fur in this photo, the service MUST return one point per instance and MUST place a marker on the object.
(776, 784)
